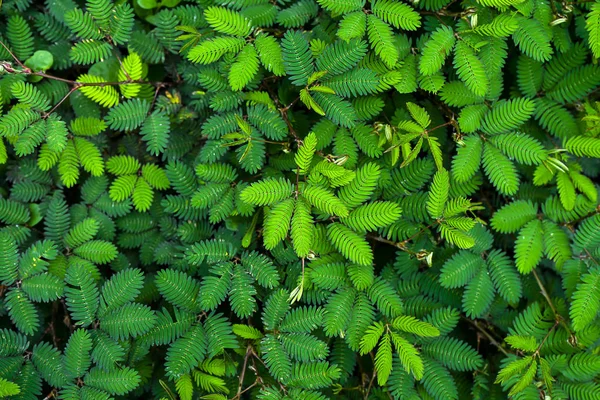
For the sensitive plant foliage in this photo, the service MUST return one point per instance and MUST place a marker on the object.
(303, 199)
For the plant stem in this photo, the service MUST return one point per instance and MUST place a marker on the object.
(488, 336)
(65, 97)
(243, 374)
(546, 296)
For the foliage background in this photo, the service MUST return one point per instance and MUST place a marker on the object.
(299, 199)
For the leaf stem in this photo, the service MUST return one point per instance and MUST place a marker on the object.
(546, 296)
(488, 336)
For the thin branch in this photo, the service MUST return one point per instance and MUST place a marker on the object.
(13, 55)
(386, 241)
(557, 316)
(45, 75)
(249, 387)
(537, 351)
(122, 67)
(370, 384)
(438, 127)
(158, 87)
(65, 97)
(101, 84)
(488, 336)
(249, 352)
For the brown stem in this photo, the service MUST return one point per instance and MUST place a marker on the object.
(417, 234)
(384, 240)
(537, 351)
(65, 97)
(56, 78)
(158, 87)
(557, 317)
(123, 68)
(439, 126)
(13, 55)
(101, 84)
(546, 296)
(370, 384)
(487, 335)
(243, 374)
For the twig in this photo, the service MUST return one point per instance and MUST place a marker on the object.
(249, 387)
(488, 336)
(51, 395)
(101, 84)
(557, 316)
(13, 55)
(439, 126)
(154, 98)
(386, 241)
(537, 351)
(249, 352)
(370, 384)
(122, 67)
(65, 97)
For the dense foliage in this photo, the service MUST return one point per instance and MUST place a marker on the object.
(299, 199)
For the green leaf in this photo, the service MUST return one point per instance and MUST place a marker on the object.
(513, 216)
(277, 223)
(131, 320)
(302, 226)
(436, 49)
(371, 337)
(97, 251)
(381, 38)
(409, 356)
(478, 295)
(504, 275)
(9, 256)
(306, 152)
(77, 353)
(244, 68)
(297, 58)
(454, 354)
(398, 15)
(566, 190)
(383, 359)
(155, 132)
(525, 343)
(247, 332)
(438, 194)
(529, 246)
(460, 269)
(40, 61)
(352, 245)
(267, 192)
(212, 50)
(341, 7)
(437, 381)
(8, 388)
(500, 170)
(227, 21)
(592, 25)
(338, 110)
(352, 26)
(407, 323)
(22, 312)
(585, 300)
(507, 115)
(470, 69)
(373, 215)
(186, 352)
(116, 382)
(270, 54)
